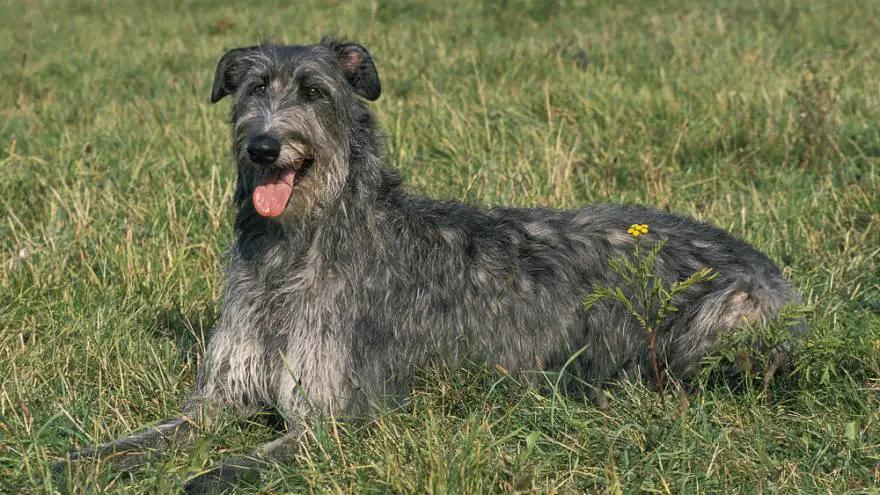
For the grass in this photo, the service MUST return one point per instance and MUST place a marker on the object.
(115, 184)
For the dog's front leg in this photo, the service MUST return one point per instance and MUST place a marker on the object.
(135, 449)
(225, 476)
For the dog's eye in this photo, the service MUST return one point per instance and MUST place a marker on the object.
(314, 93)
(258, 90)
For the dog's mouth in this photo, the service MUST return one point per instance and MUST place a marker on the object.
(274, 187)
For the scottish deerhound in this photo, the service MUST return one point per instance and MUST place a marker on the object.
(341, 285)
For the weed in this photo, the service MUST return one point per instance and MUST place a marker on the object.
(645, 296)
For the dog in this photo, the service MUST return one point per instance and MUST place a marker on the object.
(341, 284)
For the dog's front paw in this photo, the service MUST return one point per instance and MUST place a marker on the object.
(59, 468)
(76, 458)
(223, 478)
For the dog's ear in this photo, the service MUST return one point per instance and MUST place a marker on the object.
(230, 70)
(357, 65)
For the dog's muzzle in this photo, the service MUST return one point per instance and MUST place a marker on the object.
(263, 149)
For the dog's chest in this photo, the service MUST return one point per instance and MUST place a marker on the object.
(276, 334)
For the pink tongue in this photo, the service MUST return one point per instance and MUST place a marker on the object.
(272, 194)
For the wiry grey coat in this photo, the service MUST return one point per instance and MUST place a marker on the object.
(335, 303)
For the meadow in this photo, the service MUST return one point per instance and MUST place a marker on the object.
(115, 211)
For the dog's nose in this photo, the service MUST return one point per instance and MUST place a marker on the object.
(263, 149)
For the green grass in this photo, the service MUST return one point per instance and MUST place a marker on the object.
(115, 186)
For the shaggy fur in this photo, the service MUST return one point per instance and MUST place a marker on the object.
(334, 304)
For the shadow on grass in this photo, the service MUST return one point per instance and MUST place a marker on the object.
(188, 327)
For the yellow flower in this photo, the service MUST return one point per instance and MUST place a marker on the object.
(638, 229)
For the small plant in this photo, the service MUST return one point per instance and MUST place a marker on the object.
(645, 295)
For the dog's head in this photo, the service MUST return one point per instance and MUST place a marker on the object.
(295, 121)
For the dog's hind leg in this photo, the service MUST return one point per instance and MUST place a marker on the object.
(748, 301)
(225, 476)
